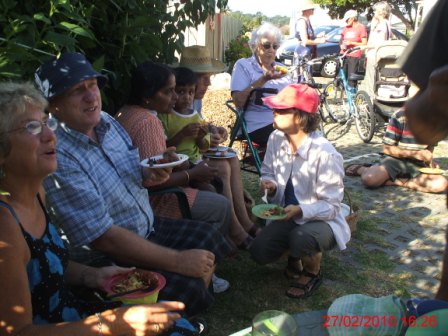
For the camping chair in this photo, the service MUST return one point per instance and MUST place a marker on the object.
(251, 160)
(181, 198)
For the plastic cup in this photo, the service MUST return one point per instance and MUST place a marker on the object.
(274, 323)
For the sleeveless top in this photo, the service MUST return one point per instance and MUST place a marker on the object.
(52, 301)
(311, 36)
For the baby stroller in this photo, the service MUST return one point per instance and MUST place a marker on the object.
(386, 86)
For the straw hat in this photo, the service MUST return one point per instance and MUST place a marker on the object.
(306, 4)
(197, 58)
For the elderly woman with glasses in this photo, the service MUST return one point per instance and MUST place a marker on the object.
(258, 71)
(35, 273)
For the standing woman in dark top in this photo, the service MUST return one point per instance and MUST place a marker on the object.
(34, 268)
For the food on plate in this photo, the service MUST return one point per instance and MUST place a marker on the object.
(430, 170)
(170, 156)
(281, 69)
(167, 157)
(276, 211)
(136, 280)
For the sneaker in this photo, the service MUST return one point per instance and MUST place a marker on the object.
(219, 285)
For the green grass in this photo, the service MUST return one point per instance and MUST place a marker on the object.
(255, 288)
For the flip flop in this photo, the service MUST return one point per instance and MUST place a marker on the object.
(352, 169)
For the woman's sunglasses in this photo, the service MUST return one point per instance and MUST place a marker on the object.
(267, 46)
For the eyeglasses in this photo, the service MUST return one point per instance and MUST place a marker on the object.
(35, 127)
(267, 46)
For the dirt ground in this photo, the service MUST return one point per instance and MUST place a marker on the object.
(214, 109)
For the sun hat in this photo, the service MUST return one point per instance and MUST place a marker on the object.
(299, 96)
(351, 13)
(307, 4)
(56, 76)
(197, 58)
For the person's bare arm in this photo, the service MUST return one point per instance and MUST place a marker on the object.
(127, 247)
(77, 274)
(400, 153)
(304, 35)
(190, 130)
(240, 97)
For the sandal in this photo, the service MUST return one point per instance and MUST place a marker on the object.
(309, 288)
(353, 169)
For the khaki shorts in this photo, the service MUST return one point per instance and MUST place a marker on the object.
(401, 167)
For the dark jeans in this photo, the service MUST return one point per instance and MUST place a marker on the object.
(350, 67)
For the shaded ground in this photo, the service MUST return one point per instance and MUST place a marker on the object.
(397, 248)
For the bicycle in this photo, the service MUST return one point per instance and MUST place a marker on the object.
(345, 104)
(303, 71)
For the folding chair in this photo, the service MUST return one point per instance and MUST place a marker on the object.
(181, 199)
(251, 158)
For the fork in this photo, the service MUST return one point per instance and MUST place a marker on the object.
(265, 197)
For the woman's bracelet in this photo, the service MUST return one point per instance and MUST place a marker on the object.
(188, 176)
(100, 324)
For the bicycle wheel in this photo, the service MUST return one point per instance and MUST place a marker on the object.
(338, 130)
(322, 121)
(335, 101)
(365, 119)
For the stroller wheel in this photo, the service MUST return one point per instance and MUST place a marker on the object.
(365, 119)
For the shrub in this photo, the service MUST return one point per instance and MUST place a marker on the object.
(237, 48)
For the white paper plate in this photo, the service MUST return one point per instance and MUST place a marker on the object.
(145, 162)
(221, 153)
(218, 149)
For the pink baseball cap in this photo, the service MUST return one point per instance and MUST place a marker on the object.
(299, 96)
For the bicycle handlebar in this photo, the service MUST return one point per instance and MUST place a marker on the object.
(348, 51)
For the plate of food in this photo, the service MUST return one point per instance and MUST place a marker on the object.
(269, 211)
(218, 149)
(137, 286)
(220, 152)
(167, 159)
(430, 170)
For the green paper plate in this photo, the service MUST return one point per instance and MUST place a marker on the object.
(434, 323)
(260, 211)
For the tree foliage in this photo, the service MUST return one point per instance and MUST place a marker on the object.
(252, 21)
(405, 10)
(114, 35)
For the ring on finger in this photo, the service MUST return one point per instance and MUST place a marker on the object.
(156, 327)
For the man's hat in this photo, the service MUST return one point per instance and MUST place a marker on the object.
(299, 96)
(350, 14)
(197, 58)
(56, 76)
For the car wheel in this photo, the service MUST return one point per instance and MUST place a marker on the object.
(329, 68)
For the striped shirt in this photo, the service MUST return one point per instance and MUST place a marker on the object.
(399, 134)
(98, 185)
